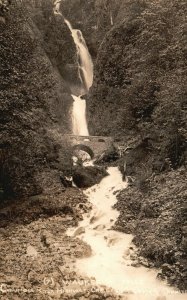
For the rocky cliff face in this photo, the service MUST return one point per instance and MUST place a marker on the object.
(35, 99)
(139, 95)
(139, 88)
(138, 48)
(55, 38)
(93, 17)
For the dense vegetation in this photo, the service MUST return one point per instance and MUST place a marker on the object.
(140, 68)
(33, 104)
(138, 95)
(139, 89)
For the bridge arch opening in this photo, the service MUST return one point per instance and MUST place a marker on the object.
(85, 149)
(101, 140)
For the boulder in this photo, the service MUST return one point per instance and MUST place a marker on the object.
(108, 156)
(79, 231)
(85, 177)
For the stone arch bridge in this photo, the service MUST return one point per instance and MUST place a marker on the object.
(93, 145)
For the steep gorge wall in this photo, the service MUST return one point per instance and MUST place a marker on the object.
(138, 48)
(55, 38)
(93, 18)
(35, 100)
(139, 88)
(139, 95)
(139, 72)
(139, 81)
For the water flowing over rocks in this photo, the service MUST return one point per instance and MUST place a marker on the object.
(85, 177)
(37, 257)
(70, 229)
(114, 261)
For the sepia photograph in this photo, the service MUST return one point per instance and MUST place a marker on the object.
(93, 136)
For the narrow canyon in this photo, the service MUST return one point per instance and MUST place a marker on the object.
(93, 150)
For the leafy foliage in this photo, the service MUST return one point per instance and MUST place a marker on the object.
(30, 98)
(140, 77)
(4, 6)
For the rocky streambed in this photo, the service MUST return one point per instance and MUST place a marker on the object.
(62, 245)
(37, 259)
(114, 261)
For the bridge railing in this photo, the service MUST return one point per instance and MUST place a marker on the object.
(90, 138)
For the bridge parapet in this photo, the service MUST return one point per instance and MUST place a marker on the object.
(90, 138)
(98, 144)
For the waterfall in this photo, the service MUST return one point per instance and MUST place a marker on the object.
(79, 123)
(85, 69)
(56, 4)
(84, 59)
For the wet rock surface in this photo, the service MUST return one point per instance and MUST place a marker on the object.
(37, 259)
(35, 99)
(107, 157)
(85, 177)
(141, 94)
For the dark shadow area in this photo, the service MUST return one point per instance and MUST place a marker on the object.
(84, 148)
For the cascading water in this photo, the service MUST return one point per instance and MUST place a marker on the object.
(79, 123)
(111, 261)
(85, 69)
(84, 59)
(57, 7)
(85, 66)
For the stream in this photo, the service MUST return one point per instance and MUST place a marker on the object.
(110, 263)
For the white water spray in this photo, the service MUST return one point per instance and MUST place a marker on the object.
(57, 7)
(110, 263)
(85, 63)
(85, 69)
(79, 117)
